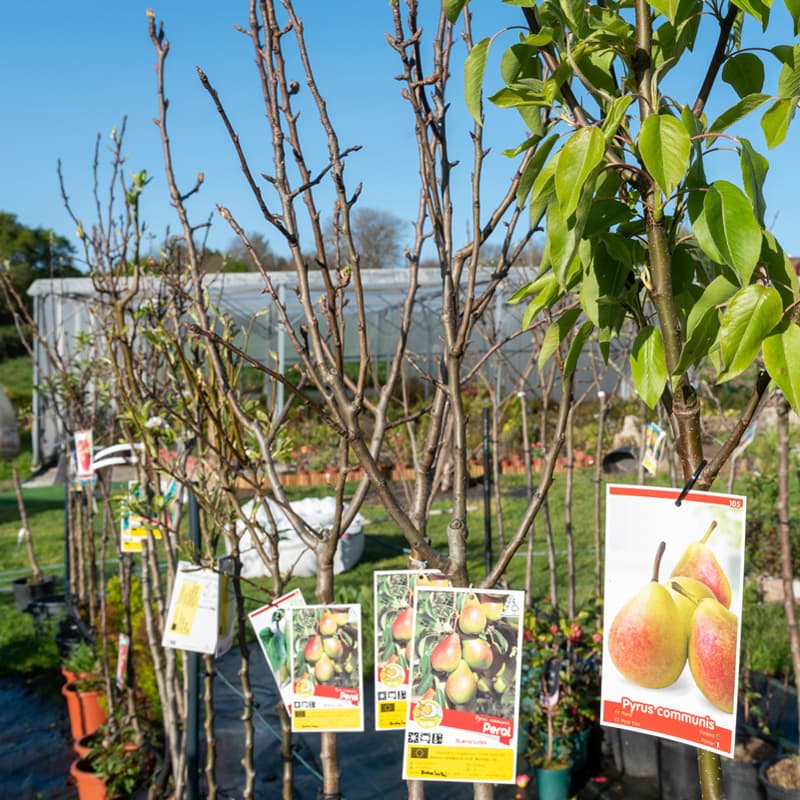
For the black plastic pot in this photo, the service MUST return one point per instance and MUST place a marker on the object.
(635, 754)
(678, 777)
(25, 591)
(51, 606)
(773, 791)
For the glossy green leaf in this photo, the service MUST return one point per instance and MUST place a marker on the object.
(737, 111)
(793, 7)
(543, 190)
(614, 117)
(576, 348)
(604, 215)
(776, 119)
(534, 167)
(781, 356)
(751, 315)
(745, 73)
(452, 8)
(756, 9)
(789, 76)
(669, 8)
(550, 292)
(573, 11)
(780, 269)
(579, 158)
(700, 227)
(733, 227)
(754, 173)
(664, 146)
(649, 365)
(474, 69)
(715, 295)
(536, 285)
(556, 334)
(700, 342)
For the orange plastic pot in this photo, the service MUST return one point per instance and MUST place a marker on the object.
(86, 714)
(90, 785)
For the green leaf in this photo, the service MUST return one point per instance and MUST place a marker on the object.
(604, 215)
(534, 167)
(519, 61)
(754, 173)
(756, 9)
(615, 115)
(649, 365)
(603, 289)
(579, 158)
(529, 289)
(556, 334)
(573, 11)
(699, 343)
(543, 190)
(750, 316)
(664, 146)
(733, 227)
(669, 8)
(776, 119)
(793, 7)
(780, 269)
(700, 227)
(789, 77)
(737, 111)
(745, 73)
(474, 69)
(575, 349)
(452, 8)
(714, 296)
(781, 354)
(550, 292)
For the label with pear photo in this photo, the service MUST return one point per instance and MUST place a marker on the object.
(673, 605)
(463, 710)
(394, 623)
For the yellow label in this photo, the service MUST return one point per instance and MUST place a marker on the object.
(392, 714)
(131, 547)
(186, 608)
(326, 719)
(485, 764)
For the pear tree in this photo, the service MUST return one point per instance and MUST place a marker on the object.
(622, 180)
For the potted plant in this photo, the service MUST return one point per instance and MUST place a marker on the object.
(780, 778)
(547, 714)
(116, 757)
(28, 589)
(740, 774)
(85, 695)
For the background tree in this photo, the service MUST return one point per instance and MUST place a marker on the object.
(377, 236)
(239, 259)
(28, 254)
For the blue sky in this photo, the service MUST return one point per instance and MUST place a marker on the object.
(79, 68)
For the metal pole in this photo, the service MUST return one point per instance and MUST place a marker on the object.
(487, 494)
(67, 576)
(192, 677)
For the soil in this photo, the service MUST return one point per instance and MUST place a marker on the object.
(754, 749)
(785, 773)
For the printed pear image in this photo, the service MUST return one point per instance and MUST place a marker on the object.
(700, 563)
(686, 600)
(712, 651)
(644, 641)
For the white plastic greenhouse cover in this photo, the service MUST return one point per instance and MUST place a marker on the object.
(63, 310)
